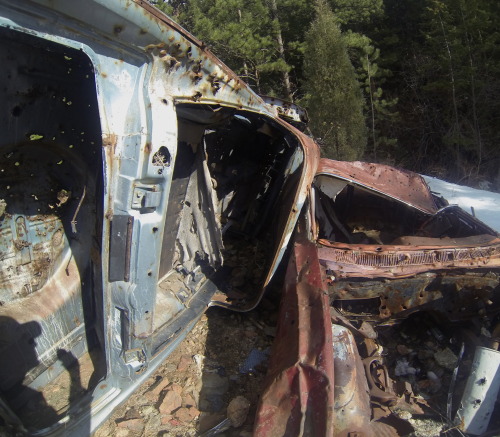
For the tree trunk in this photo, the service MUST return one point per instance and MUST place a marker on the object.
(456, 127)
(372, 106)
(281, 49)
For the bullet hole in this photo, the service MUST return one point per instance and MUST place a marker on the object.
(197, 96)
(162, 157)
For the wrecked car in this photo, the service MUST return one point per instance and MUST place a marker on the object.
(132, 161)
(405, 289)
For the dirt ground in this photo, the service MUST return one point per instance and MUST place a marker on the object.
(222, 362)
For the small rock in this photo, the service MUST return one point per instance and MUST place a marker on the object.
(194, 412)
(250, 334)
(148, 410)
(155, 392)
(166, 418)
(431, 345)
(183, 415)
(188, 401)
(403, 368)
(170, 403)
(132, 413)
(446, 358)
(170, 367)
(237, 410)
(403, 350)
(177, 388)
(121, 432)
(426, 385)
(184, 363)
(136, 425)
(404, 414)
(152, 426)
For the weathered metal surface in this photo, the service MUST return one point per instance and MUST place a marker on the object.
(387, 261)
(480, 394)
(402, 185)
(352, 400)
(288, 111)
(299, 195)
(142, 68)
(299, 398)
(457, 295)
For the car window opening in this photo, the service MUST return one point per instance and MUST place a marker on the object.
(50, 229)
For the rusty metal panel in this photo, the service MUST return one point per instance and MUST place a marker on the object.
(405, 186)
(288, 111)
(310, 162)
(352, 399)
(458, 295)
(299, 398)
(386, 261)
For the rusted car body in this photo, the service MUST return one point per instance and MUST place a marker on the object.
(132, 161)
(375, 246)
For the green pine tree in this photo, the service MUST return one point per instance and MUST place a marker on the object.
(333, 96)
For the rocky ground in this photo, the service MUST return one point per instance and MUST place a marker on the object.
(216, 373)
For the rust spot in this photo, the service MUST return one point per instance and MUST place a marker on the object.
(150, 47)
(104, 75)
(147, 148)
(143, 32)
(110, 140)
(170, 63)
(103, 386)
(117, 29)
(197, 96)
(57, 237)
(195, 77)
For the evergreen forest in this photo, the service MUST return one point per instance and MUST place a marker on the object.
(411, 83)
